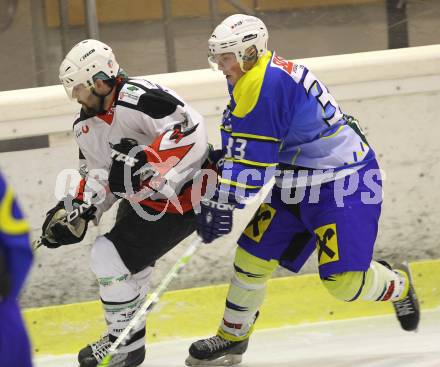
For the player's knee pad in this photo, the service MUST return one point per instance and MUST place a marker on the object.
(251, 271)
(105, 260)
(345, 286)
(142, 280)
(114, 278)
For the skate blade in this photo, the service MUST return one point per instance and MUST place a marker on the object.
(227, 360)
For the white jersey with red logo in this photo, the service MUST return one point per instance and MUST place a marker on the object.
(155, 117)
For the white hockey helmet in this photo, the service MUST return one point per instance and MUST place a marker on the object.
(86, 61)
(236, 34)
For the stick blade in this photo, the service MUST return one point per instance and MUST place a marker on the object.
(36, 244)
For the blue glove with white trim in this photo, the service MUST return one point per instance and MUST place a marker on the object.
(214, 219)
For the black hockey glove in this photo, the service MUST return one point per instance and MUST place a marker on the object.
(66, 224)
(216, 159)
(124, 161)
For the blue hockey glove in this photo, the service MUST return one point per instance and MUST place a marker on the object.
(214, 219)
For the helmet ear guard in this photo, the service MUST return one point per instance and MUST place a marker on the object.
(244, 35)
(250, 57)
(87, 61)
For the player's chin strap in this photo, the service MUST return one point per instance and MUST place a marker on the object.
(112, 82)
(151, 301)
(101, 99)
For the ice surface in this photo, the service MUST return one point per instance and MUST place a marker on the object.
(363, 342)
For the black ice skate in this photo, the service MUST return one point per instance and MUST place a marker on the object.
(94, 353)
(216, 351)
(407, 309)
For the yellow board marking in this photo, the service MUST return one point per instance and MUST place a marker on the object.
(65, 329)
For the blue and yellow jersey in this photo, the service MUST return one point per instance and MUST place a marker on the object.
(280, 113)
(14, 238)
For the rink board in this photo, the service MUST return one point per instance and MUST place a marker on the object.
(191, 312)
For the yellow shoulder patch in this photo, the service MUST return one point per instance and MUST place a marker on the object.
(247, 90)
(8, 224)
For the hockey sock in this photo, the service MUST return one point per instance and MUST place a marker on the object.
(118, 315)
(246, 295)
(379, 283)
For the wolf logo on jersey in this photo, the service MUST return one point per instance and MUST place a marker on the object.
(153, 116)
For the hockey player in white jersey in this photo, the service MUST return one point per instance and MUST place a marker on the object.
(141, 144)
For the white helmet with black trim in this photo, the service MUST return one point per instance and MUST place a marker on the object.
(87, 61)
(235, 35)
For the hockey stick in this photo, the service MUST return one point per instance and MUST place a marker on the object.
(37, 244)
(151, 301)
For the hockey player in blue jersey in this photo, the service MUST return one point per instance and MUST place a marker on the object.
(283, 122)
(15, 261)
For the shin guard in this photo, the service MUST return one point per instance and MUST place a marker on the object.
(246, 294)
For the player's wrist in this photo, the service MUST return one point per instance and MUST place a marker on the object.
(229, 197)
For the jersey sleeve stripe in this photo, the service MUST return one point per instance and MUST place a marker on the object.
(250, 163)
(334, 134)
(256, 137)
(237, 184)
